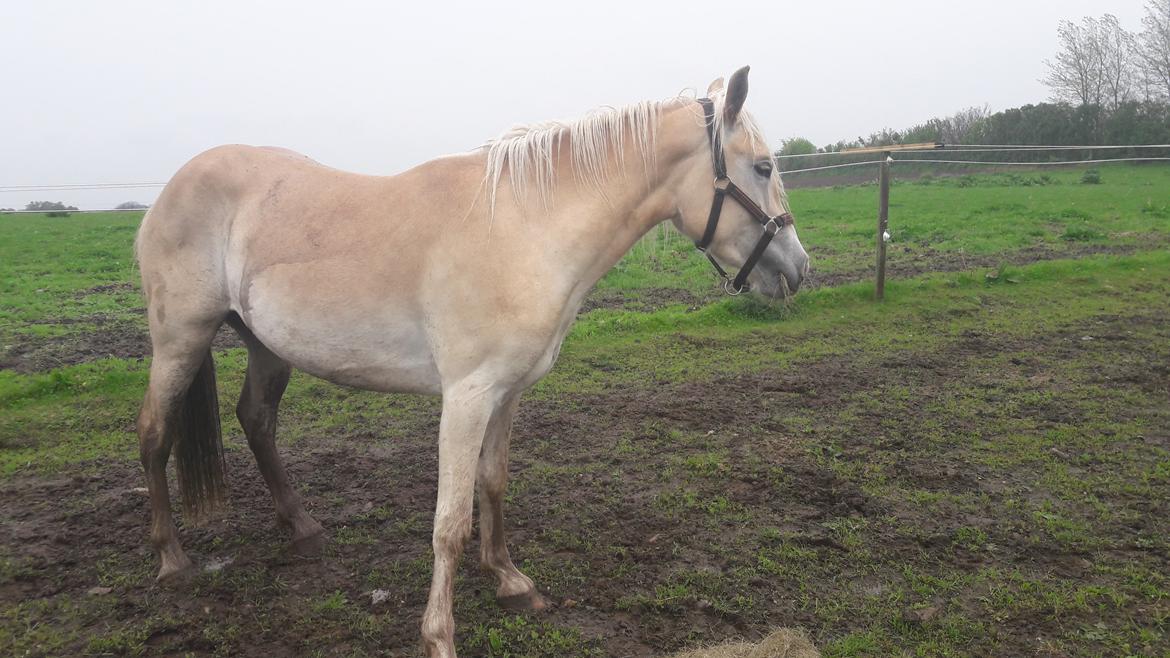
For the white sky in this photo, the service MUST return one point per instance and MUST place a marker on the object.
(120, 91)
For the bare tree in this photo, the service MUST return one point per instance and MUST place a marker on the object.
(961, 123)
(1118, 60)
(1075, 75)
(1095, 65)
(1153, 47)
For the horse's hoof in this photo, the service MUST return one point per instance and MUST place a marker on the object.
(434, 650)
(309, 546)
(530, 601)
(175, 572)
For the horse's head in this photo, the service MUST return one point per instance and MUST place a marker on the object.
(742, 218)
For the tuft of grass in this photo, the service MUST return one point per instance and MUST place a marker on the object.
(518, 637)
(1001, 275)
(1150, 208)
(1080, 234)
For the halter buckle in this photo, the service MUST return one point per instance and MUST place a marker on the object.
(722, 183)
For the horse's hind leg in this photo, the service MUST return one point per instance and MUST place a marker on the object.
(264, 385)
(515, 591)
(179, 406)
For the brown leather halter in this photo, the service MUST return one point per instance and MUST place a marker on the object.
(724, 187)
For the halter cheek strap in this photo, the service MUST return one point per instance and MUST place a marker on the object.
(724, 188)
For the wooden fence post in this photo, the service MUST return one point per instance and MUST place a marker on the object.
(883, 225)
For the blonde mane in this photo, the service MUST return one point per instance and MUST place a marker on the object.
(528, 153)
(596, 142)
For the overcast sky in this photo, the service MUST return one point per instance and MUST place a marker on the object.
(115, 91)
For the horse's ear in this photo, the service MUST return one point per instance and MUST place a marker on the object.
(715, 87)
(736, 95)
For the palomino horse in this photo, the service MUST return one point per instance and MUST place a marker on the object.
(459, 277)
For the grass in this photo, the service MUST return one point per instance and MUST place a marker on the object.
(79, 413)
(988, 443)
(517, 637)
(49, 264)
(945, 219)
(64, 276)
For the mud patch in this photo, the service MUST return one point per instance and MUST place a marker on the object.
(109, 339)
(646, 299)
(107, 288)
(908, 263)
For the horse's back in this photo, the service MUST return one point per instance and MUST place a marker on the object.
(346, 276)
(225, 196)
(304, 254)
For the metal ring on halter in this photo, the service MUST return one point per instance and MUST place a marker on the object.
(730, 289)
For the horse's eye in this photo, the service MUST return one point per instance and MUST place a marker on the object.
(764, 168)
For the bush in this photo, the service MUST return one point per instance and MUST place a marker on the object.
(1091, 177)
(797, 146)
(53, 208)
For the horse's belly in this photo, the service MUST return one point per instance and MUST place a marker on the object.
(338, 338)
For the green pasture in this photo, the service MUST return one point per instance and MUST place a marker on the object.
(943, 222)
(63, 275)
(1052, 296)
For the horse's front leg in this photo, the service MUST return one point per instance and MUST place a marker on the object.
(516, 590)
(470, 408)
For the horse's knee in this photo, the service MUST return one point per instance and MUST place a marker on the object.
(450, 543)
(450, 534)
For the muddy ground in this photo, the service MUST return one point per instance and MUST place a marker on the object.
(655, 516)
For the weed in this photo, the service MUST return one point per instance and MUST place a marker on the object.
(1081, 234)
(517, 637)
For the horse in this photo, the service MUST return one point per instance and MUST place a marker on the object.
(459, 277)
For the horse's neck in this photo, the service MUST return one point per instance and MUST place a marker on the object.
(590, 233)
(604, 226)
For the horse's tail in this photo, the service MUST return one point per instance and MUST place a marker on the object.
(199, 447)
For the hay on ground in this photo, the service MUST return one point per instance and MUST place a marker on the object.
(784, 643)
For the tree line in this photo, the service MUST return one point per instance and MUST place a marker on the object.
(1107, 86)
(58, 209)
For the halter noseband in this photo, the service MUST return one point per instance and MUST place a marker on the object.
(724, 187)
